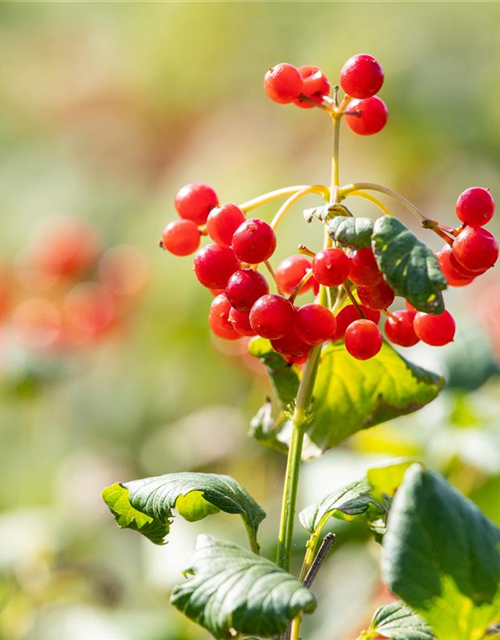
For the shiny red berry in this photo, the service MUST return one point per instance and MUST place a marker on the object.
(349, 314)
(315, 323)
(241, 322)
(410, 307)
(399, 328)
(331, 267)
(363, 269)
(214, 265)
(362, 76)
(363, 339)
(434, 330)
(378, 296)
(454, 276)
(475, 249)
(218, 319)
(366, 117)
(475, 206)
(245, 287)
(291, 345)
(290, 272)
(283, 83)
(181, 237)
(195, 201)
(254, 241)
(272, 316)
(315, 85)
(223, 221)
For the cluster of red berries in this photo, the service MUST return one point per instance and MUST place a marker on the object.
(471, 250)
(307, 86)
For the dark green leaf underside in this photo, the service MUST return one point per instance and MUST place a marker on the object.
(355, 233)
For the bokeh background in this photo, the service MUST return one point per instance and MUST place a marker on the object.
(111, 374)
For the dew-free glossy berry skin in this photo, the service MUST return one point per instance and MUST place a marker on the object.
(363, 339)
(181, 237)
(371, 116)
(331, 267)
(454, 277)
(254, 241)
(362, 76)
(291, 345)
(475, 249)
(272, 316)
(349, 314)
(241, 322)
(379, 296)
(214, 265)
(475, 206)
(314, 85)
(290, 272)
(283, 83)
(363, 269)
(399, 328)
(315, 324)
(223, 221)
(245, 287)
(434, 330)
(194, 202)
(218, 319)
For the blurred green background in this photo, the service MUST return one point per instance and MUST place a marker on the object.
(105, 111)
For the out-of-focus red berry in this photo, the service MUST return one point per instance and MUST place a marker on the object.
(290, 272)
(223, 221)
(181, 237)
(194, 202)
(283, 83)
(219, 321)
(315, 85)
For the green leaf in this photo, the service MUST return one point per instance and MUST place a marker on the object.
(146, 505)
(442, 557)
(398, 622)
(284, 378)
(408, 265)
(355, 233)
(230, 590)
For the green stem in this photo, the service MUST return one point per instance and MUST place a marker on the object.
(272, 195)
(370, 186)
(252, 538)
(286, 206)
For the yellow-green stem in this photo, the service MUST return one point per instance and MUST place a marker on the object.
(370, 186)
(286, 206)
(269, 197)
(374, 200)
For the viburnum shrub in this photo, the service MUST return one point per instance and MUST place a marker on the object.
(332, 374)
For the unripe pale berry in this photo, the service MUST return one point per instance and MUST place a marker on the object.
(254, 241)
(475, 206)
(245, 287)
(223, 221)
(368, 116)
(436, 330)
(181, 237)
(362, 76)
(363, 339)
(399, 328)
(214, 265)
(475, 249)
(331, 267)
(315, 324)
(290, 272)
(218, 319)
(194, 202)
(272, 316)
(315, 85)
(283, 83)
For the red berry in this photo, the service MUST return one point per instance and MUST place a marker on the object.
(434, 330)
(453, 276)
(362, 76)
(378, 296)
(195, 201)
(475, 249)
(291, 345)
(399, 328)
(297, 360)
(410, 307)
(364, 270)
(272, 316)
(331, 267)
(315, 85)
(283, 83)
(241, 322)
(245, 287)
(218, 319)
(315, 324)
(222, 222)
(475, 206)
(367, 116)
(254, 241)
(214, 265)
(349, 314)
(363, 339)
(181, 237)
(290, 272)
